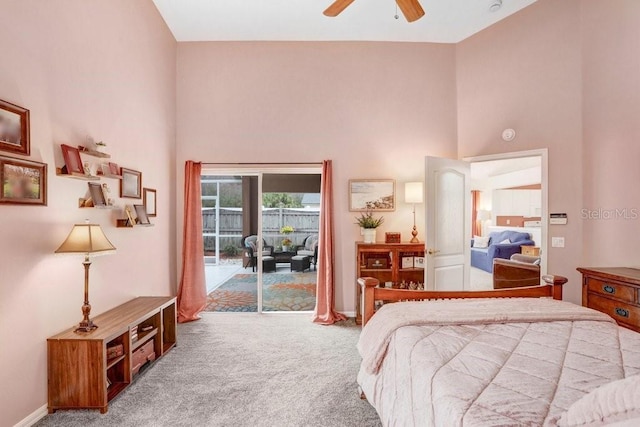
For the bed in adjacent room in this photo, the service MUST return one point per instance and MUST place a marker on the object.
(495, 361)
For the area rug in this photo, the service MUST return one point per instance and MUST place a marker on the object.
(281, 292)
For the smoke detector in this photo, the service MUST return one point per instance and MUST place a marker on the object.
(495, 6)
(508, 135)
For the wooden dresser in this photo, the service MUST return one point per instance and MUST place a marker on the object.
(87, 370)
(614, 291)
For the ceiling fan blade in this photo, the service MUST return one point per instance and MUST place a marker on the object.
(337, 7)
(411, 9)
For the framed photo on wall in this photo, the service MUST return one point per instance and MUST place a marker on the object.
(371, 195)
(14, 129)
(150, 202)
(22, 182)
(131, 184)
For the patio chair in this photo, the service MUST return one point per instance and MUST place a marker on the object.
(251, 254)
(309, 248)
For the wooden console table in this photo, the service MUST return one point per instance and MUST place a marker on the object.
(614, 291)
(83, 374)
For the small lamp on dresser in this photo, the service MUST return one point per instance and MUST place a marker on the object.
(413, 192)
(88, 240)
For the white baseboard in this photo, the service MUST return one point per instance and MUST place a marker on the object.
(349, 313)
(33, 417)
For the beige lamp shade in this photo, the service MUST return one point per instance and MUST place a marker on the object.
(413, 192)
(86, 239)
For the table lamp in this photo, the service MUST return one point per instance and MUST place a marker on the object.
(483, 215)
(89, 240)
(413, 194)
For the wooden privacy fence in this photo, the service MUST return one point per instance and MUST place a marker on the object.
(303, 221)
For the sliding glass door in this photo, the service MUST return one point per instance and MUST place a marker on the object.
(260, 229)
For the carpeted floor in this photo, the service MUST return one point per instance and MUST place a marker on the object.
(281, 292)
(237, 369)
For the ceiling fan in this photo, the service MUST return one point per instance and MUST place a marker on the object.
(411, 9)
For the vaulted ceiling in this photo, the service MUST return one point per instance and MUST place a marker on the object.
(446, 21)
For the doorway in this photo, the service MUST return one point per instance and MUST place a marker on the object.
(260, 229)
(509, 195)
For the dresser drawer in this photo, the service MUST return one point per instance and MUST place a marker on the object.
(612, 289)
(621, 312)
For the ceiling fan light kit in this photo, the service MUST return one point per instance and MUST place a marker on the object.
(411, 9)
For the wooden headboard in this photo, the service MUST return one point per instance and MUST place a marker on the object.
(371, 292)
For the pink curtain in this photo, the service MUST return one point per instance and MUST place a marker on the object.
(324, 313)
(192, 294)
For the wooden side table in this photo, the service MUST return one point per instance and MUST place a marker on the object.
(530, 250)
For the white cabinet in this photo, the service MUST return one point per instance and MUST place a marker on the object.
(527, 203)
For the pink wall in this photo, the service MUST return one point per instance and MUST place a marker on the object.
(525, 73)
(611, 102)
(104, 69)
(375, 109)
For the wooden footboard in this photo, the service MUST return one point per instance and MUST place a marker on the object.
(372, 293)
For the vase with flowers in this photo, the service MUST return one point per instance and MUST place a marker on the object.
(369, 224)
(286, 242)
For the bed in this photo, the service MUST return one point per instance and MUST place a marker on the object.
(495, 358)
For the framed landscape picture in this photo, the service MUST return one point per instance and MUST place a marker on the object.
(131, 184)
(23, 182)
(14, 129)
(370, 195)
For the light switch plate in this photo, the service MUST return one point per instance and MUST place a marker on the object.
(557, 242)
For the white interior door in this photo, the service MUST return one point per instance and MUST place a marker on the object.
(448, 224)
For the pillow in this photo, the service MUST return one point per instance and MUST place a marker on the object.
(614, 402)
(505, 241)
(480, 242)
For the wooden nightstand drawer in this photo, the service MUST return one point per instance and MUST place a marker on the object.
(612, 289)
(530, 250)
(621, 312)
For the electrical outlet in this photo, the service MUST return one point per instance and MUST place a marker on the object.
(557, 242)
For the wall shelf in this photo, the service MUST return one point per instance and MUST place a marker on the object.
(93, 153)
(77, 175)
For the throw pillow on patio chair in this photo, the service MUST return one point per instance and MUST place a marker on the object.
(251, 252)
(309, 248)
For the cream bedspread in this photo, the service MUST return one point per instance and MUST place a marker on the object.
(489, 362)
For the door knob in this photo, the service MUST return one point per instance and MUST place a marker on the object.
(433, 251)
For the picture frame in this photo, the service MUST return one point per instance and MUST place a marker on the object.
(372, 195)
(72, 159)
(131, 184)
(97, 195)
(14, 129)
(22, 182)
(418, 262)
(130, 219)
(150, 202)
(141, 215)
(114, 169)
(407, 262)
